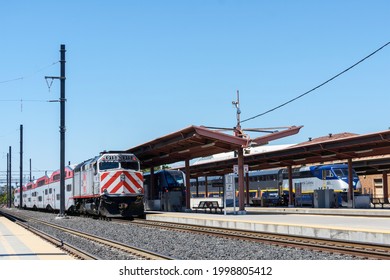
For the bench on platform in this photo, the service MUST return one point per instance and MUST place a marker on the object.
(201, 205)
(205, 205)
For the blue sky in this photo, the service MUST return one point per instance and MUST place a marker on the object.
(137, 70)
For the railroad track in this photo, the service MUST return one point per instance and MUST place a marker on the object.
(71, 250)
(362, 250)
(131, 250)
(134, 251)
(77, 253)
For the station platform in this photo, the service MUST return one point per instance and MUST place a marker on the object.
(17, 243)
(357, 225)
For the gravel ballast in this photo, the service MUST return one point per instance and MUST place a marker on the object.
(178, 245)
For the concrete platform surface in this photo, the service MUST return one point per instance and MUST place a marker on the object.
(353, 227)
(370, 212)
(17, 243)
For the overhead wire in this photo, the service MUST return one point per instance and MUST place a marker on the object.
(22, 100)
(27, 76)
(320, 85)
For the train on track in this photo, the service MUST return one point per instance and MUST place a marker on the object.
(108, 185)
(305, 180)
(166, 192)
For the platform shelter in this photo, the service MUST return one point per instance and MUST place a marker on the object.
(199, 141)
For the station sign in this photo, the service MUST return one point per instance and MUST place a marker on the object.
(229, 186)
(235, 168)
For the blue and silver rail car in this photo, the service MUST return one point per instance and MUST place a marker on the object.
(310, 178)
(332, 176)
(166, 192)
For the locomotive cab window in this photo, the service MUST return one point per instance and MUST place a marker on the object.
(132, 165)
(327, 174)
(105, 165)
(341, 173)
(174, 178)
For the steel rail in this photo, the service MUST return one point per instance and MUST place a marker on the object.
(363, 250)
(73, 251)
(142, 253)
(77, 253)
(132, 250)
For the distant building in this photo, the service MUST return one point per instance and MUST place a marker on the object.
(373, 184)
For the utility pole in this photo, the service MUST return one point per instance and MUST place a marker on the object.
(10, 175)
(236, 103)
(62, 101)
(21, 163)
(30, 179)
(240, 157)
(8, 184)
(62, 132)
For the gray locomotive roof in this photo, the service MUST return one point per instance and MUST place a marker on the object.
(88, 161)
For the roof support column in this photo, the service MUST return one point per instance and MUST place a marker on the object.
(247, 188)
(188, 185)
(206, 187)
(385, 185)
(241, 194)
(290, 187)
(197, 186)
(350, 184)
(152, 188)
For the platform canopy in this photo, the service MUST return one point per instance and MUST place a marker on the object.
(366, 151)
(197, 141)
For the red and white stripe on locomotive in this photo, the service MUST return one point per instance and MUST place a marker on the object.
(121, 182)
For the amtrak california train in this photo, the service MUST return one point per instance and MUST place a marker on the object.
(308, 178)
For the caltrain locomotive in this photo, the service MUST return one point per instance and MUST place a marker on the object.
(108, 185)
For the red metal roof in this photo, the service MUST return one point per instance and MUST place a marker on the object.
(190, 142)
(197, 141)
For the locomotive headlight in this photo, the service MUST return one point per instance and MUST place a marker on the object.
(123, 205)
(123, 177)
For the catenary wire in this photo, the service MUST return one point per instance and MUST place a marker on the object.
(320, 85)
(28, 76)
